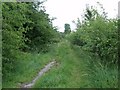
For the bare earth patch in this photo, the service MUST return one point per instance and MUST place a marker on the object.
(45, 69)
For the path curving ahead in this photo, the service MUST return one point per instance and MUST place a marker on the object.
(45, 69)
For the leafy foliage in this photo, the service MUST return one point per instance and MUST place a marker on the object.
(67, 28)
(12, 33)
(26, 27)
(98, 35)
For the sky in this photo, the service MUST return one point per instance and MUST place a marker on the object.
(66, 11)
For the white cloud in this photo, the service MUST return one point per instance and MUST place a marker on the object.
(68, 10)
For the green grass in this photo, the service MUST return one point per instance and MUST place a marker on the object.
(28, 67)
(100, 76)
(75, 68)
(0, 74)
(69, 73)
(103, 76)
(0, 71)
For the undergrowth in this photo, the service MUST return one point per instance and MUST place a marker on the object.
(100, 76)
(28, 67)
(69, 73)
(77, 69)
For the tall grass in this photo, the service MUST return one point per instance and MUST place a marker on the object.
(75, 68)
(28, 67)
(100, 76)
(69, 73)
(103, 76)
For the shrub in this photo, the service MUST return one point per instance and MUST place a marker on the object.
(98, 35)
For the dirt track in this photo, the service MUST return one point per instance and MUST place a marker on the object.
(45, 69)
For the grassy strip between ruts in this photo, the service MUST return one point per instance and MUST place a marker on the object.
(77, 69)
(70, 72)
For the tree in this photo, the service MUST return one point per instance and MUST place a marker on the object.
(67, 28)
(24, 28)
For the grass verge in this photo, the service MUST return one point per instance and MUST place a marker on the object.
(69, 73)
(28, 67)
(100, 76)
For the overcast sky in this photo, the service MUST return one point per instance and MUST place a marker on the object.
(68, 10)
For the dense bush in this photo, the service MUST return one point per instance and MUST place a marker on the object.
(41, 32)
(98, 35)
(12, 38)
(26, 27)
